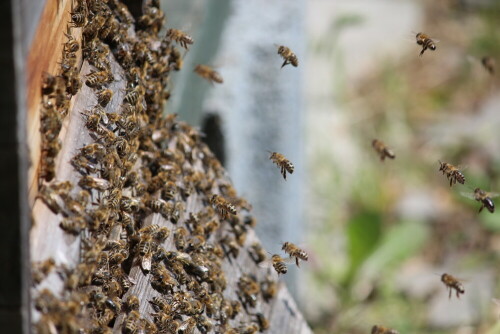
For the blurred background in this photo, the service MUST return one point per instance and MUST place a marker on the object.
(379, 234)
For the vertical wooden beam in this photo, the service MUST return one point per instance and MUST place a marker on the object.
(14, 286)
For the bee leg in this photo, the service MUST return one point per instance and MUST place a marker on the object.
(283, 172)
(297, 261)
(458, 295)
(481, 208)
(451, 181)
(284, 63)
(422, 52)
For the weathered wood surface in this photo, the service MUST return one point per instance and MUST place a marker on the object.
(43, 56)
(48, 240)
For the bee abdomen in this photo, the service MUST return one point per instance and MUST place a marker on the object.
(280, 267)
(459, 177)
(488, 203)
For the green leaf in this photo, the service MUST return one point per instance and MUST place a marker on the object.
(363, 233)
(401, 241)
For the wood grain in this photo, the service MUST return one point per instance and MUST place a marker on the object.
(44, 55)
(48, 240)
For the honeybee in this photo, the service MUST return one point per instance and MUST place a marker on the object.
(145, 247)
(203, 324)
(96, 79)
(489, 64)
(90, 182)
(78, 19)
(161, 234)
(180, 37)
(208, 73)
(279, 264)
(130, 323)
(426, 42)
(269, 288)
(230, 245)
(49, 197)
(248, 289)
(222, 206)
(294, 251)
(132, 303)
(42, 269)
(93, 151)
(162, 280)
(134, 95)
(484, 197)
(383, 330)
(83, 165)
(283, 163)
(104, 96)
(452, 173)
(382, 150)
(248, 329)
(257, 252)
(180, 234)
(73, 225)
(262, 322)
(288, 56)
(452, 284)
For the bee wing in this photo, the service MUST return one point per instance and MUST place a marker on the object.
(268, 263)
(146, 261)
(468, 195)
(493, 194)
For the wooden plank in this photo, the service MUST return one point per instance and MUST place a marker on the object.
(43, 56)
(48, 240)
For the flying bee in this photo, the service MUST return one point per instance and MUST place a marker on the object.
(104, 96)
(180, 37)
(222, 206)
(382, 150)
(294, 251)
(383, 330)
(279, 264)
(208, 73)
(452, 173)
(283, 163)
(484, 197)
(489, 64)
(452, 284)
(288, 56)
(426, 42)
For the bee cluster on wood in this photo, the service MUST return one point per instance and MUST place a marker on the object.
(138, 181)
